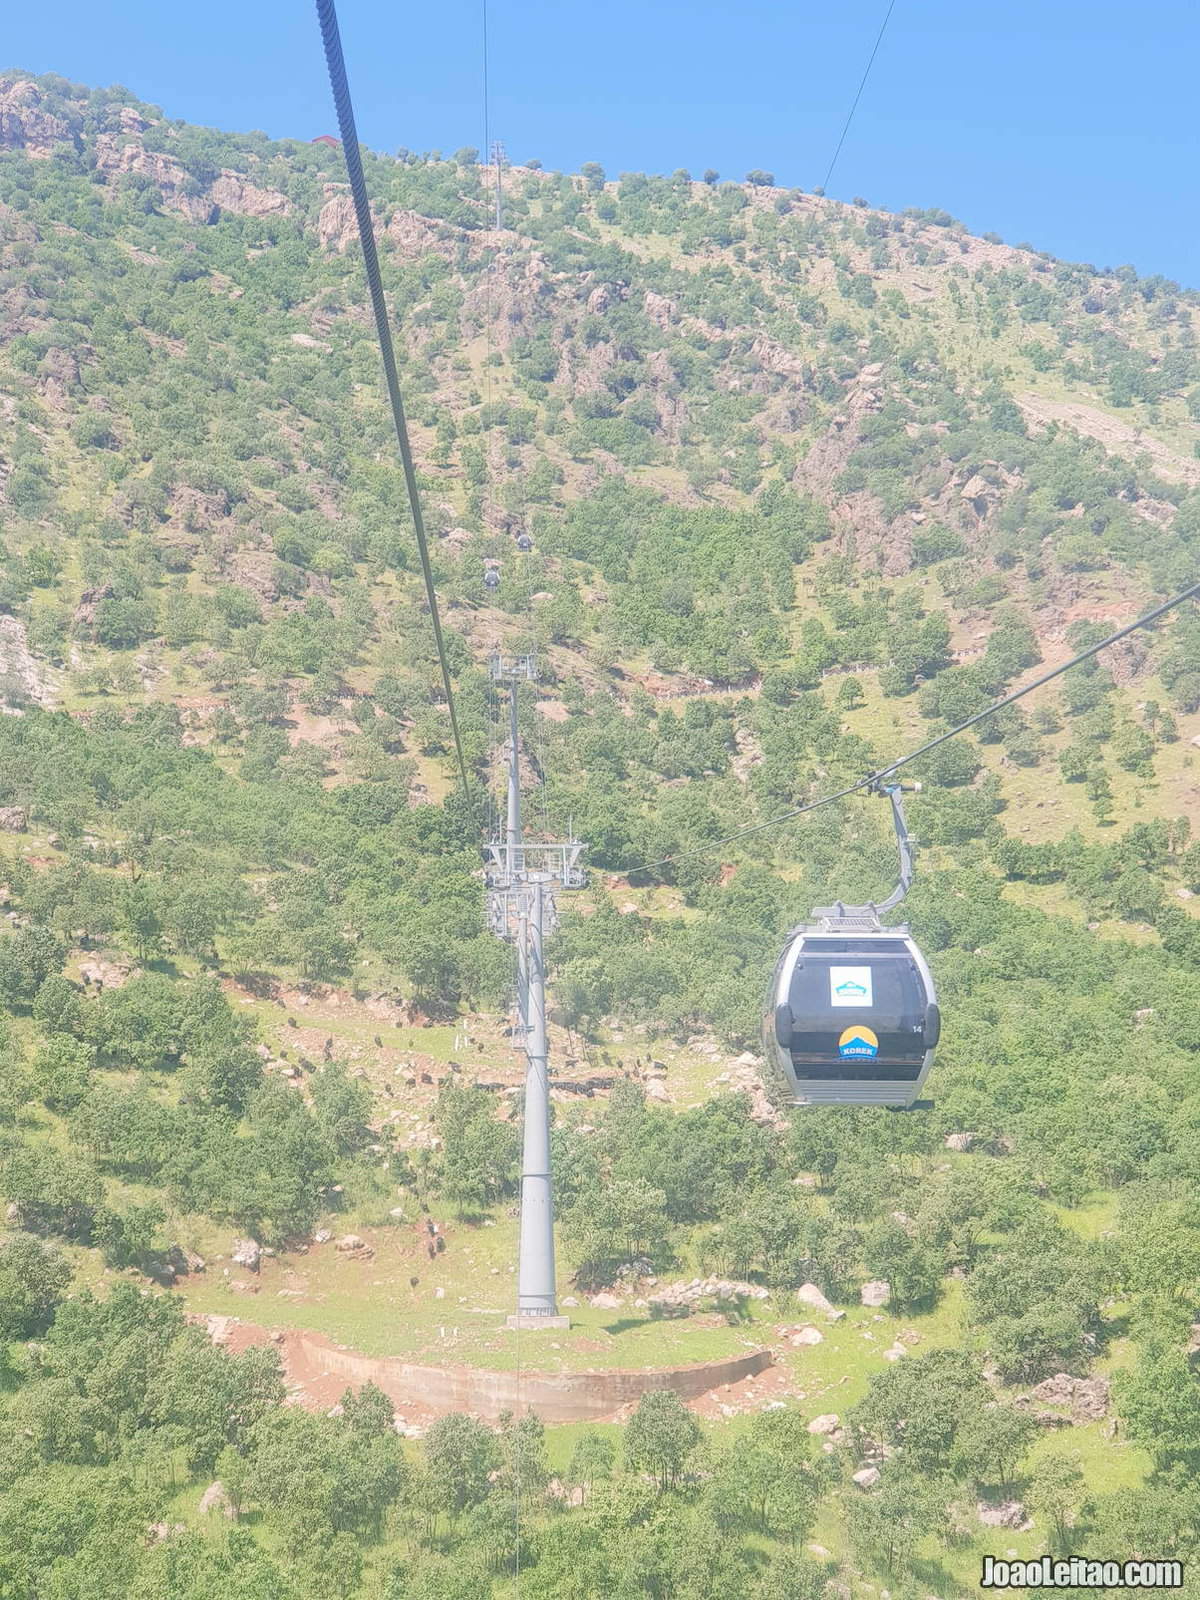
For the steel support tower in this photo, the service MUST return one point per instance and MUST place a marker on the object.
(522, 881)
(499, 162)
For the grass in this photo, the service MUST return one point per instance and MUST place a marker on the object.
(371, 1307)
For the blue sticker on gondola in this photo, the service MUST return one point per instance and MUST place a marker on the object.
(850, 986)
(860, 1042)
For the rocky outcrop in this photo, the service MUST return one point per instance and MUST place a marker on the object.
(661, 310)
(229, 191)
(59, 374)
(116, 156)
(23, 679)
(247, 1253)
(24, 123)
(1073, 1399)
(678, 1299)
(216, 1498)
(232, 192)
(809, 1295)
(1008, 1514)
(335, 222)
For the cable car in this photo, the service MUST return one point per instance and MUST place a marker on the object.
(852, 1017)
(491, 579)
(524, 542)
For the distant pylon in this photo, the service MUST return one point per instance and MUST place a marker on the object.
(522, 879)
(499, 162)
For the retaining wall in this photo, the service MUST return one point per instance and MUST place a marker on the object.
(555, 1396)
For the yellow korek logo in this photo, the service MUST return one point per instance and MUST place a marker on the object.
(858, 1041)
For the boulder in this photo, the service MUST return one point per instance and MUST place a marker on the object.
(808, 1294)
(1007, 1514)
(165, 1530)
(807, 1335)
(824, 1424)
(605, 1302)
(866, 1478)
(247, 1253)
(350, 1241)
(322, 1236)
(895, 1353)
(13, 819)
(1085, 1398)
(216, 1498)
(876, 1293)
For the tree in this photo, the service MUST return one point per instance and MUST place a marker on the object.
(460, 1456)
(660, 1436)
(128, 1239)
(760, 179)
(33, 1277)
(1159, 1402)
(887, 1524)
(911, 1267)
(1099, 792)
(764, 1480)
(524, 1473)
(342, 1105)
(992, 1442)
(791, 1575)
(1057, 1491)
(58, 1006)
(27, 959)
(479, 1152)
(849, 694)
(918, 1406)
(55, 1191)
(625, 1220)
(62, 1070)
(592, 1459)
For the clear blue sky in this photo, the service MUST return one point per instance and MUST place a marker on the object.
(1067, 124)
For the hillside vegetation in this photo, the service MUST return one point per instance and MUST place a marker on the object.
(776, 487)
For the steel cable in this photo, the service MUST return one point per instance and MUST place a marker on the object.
(874, 779)
(327, 15)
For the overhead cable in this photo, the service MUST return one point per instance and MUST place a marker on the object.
(875, 779)
(862, 85)
(327, 15)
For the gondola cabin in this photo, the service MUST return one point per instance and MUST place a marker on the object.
(852, 1017)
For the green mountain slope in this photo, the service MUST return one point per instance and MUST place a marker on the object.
(802, 483)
